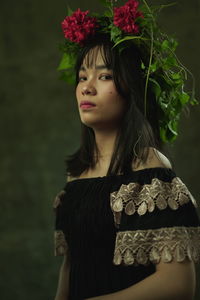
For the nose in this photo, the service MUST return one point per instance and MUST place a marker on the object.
(88, 90)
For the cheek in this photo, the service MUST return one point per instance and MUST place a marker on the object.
(115, 97)
(77, 92)
(112, 94)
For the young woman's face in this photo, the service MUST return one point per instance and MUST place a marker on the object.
(100, 106)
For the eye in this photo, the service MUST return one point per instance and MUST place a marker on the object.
(82, 78)
(106, 77)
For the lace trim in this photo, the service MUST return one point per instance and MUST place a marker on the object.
(155, 245)
(135, 198)
(57, 199)
(60, 243)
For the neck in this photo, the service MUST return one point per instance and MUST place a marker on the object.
(105, 141)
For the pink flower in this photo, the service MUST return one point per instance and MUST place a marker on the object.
(78, 27)
(125, 17)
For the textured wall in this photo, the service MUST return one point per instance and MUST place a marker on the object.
(39, 126)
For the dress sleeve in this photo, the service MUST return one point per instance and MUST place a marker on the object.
(60, 243)
(156, 221)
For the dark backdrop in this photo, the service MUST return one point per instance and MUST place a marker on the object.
(39, 126)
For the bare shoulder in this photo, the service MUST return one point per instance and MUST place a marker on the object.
(70, 178)
(155, 159)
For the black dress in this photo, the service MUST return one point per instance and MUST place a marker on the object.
(114, 229)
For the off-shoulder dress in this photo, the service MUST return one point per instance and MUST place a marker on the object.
(115, 229)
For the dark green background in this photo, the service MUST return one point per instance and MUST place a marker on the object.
(39, 126)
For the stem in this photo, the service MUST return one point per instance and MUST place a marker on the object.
(111, 5)
(112, 2)
(185, 70)
(150, 11)
(167, 5)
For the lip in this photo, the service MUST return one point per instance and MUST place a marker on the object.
(87, 104)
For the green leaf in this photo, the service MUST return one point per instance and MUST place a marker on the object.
(167, 135)
(169, 45)
(106, 3)
(115, 32)
(173, 44)
(69, 11)
(143, 66)
(177, 79)
(108, 13)
(184, 98)
(194, 101)
(155, 87)
(169, 62)
(173, 127)
(163, 135)
(165, 45)
(153, 67)
(172, 61)
(175, 76)
(67, 62)
(68, 76)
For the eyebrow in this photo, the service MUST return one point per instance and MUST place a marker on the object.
(99, 67)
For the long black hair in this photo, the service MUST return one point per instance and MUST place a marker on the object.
(138, 131)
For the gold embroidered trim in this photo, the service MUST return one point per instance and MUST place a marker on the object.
(60, 243)
(155, 245)
(135, 198)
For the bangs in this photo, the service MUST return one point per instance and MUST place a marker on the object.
(90, 58)
(89, 54)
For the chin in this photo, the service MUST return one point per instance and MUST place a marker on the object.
(89, 121)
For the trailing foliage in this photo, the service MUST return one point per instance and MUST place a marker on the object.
(164, 74)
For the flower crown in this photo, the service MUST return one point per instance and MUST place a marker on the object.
(164, 73)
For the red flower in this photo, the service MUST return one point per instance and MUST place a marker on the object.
(126, 15)
(78, 26)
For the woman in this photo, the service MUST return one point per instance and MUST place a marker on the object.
(125, 223)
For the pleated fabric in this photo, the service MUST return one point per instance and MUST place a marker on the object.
(108, 254)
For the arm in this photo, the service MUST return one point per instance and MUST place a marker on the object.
(172, 281)
(63, 283)
(61, 248)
